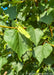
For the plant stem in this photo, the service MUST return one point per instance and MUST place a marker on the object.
(8, 27)
(51, 31)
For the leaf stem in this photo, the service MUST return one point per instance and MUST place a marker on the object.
(51, 45)
(8, 27)
(51, 31)
(48, 43)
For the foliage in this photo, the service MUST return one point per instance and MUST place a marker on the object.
(26, 37)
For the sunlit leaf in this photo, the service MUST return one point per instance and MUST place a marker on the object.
(3, 61)
(17, 42)
(42, 52)
(36, 34)
(23, 31)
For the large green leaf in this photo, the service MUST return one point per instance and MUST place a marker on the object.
(3, 61)
(42, 52)
(36, 34)
(12, 12)
(46, 18)
(19, 43)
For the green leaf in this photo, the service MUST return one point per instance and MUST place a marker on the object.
(51, 3)
(19, 43)
(38, 53)
(3, 61)
(1, 17)
(36, 34)
(49, 60)
(46, 18)
(3, 23)
(17, 1)
(21, 16)
(11, 73)
(3, 3)
(12, 12)
(49, 11)
(47, 50)
(23, 31)
(27, 56)
(19, 66)
(42, 52)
